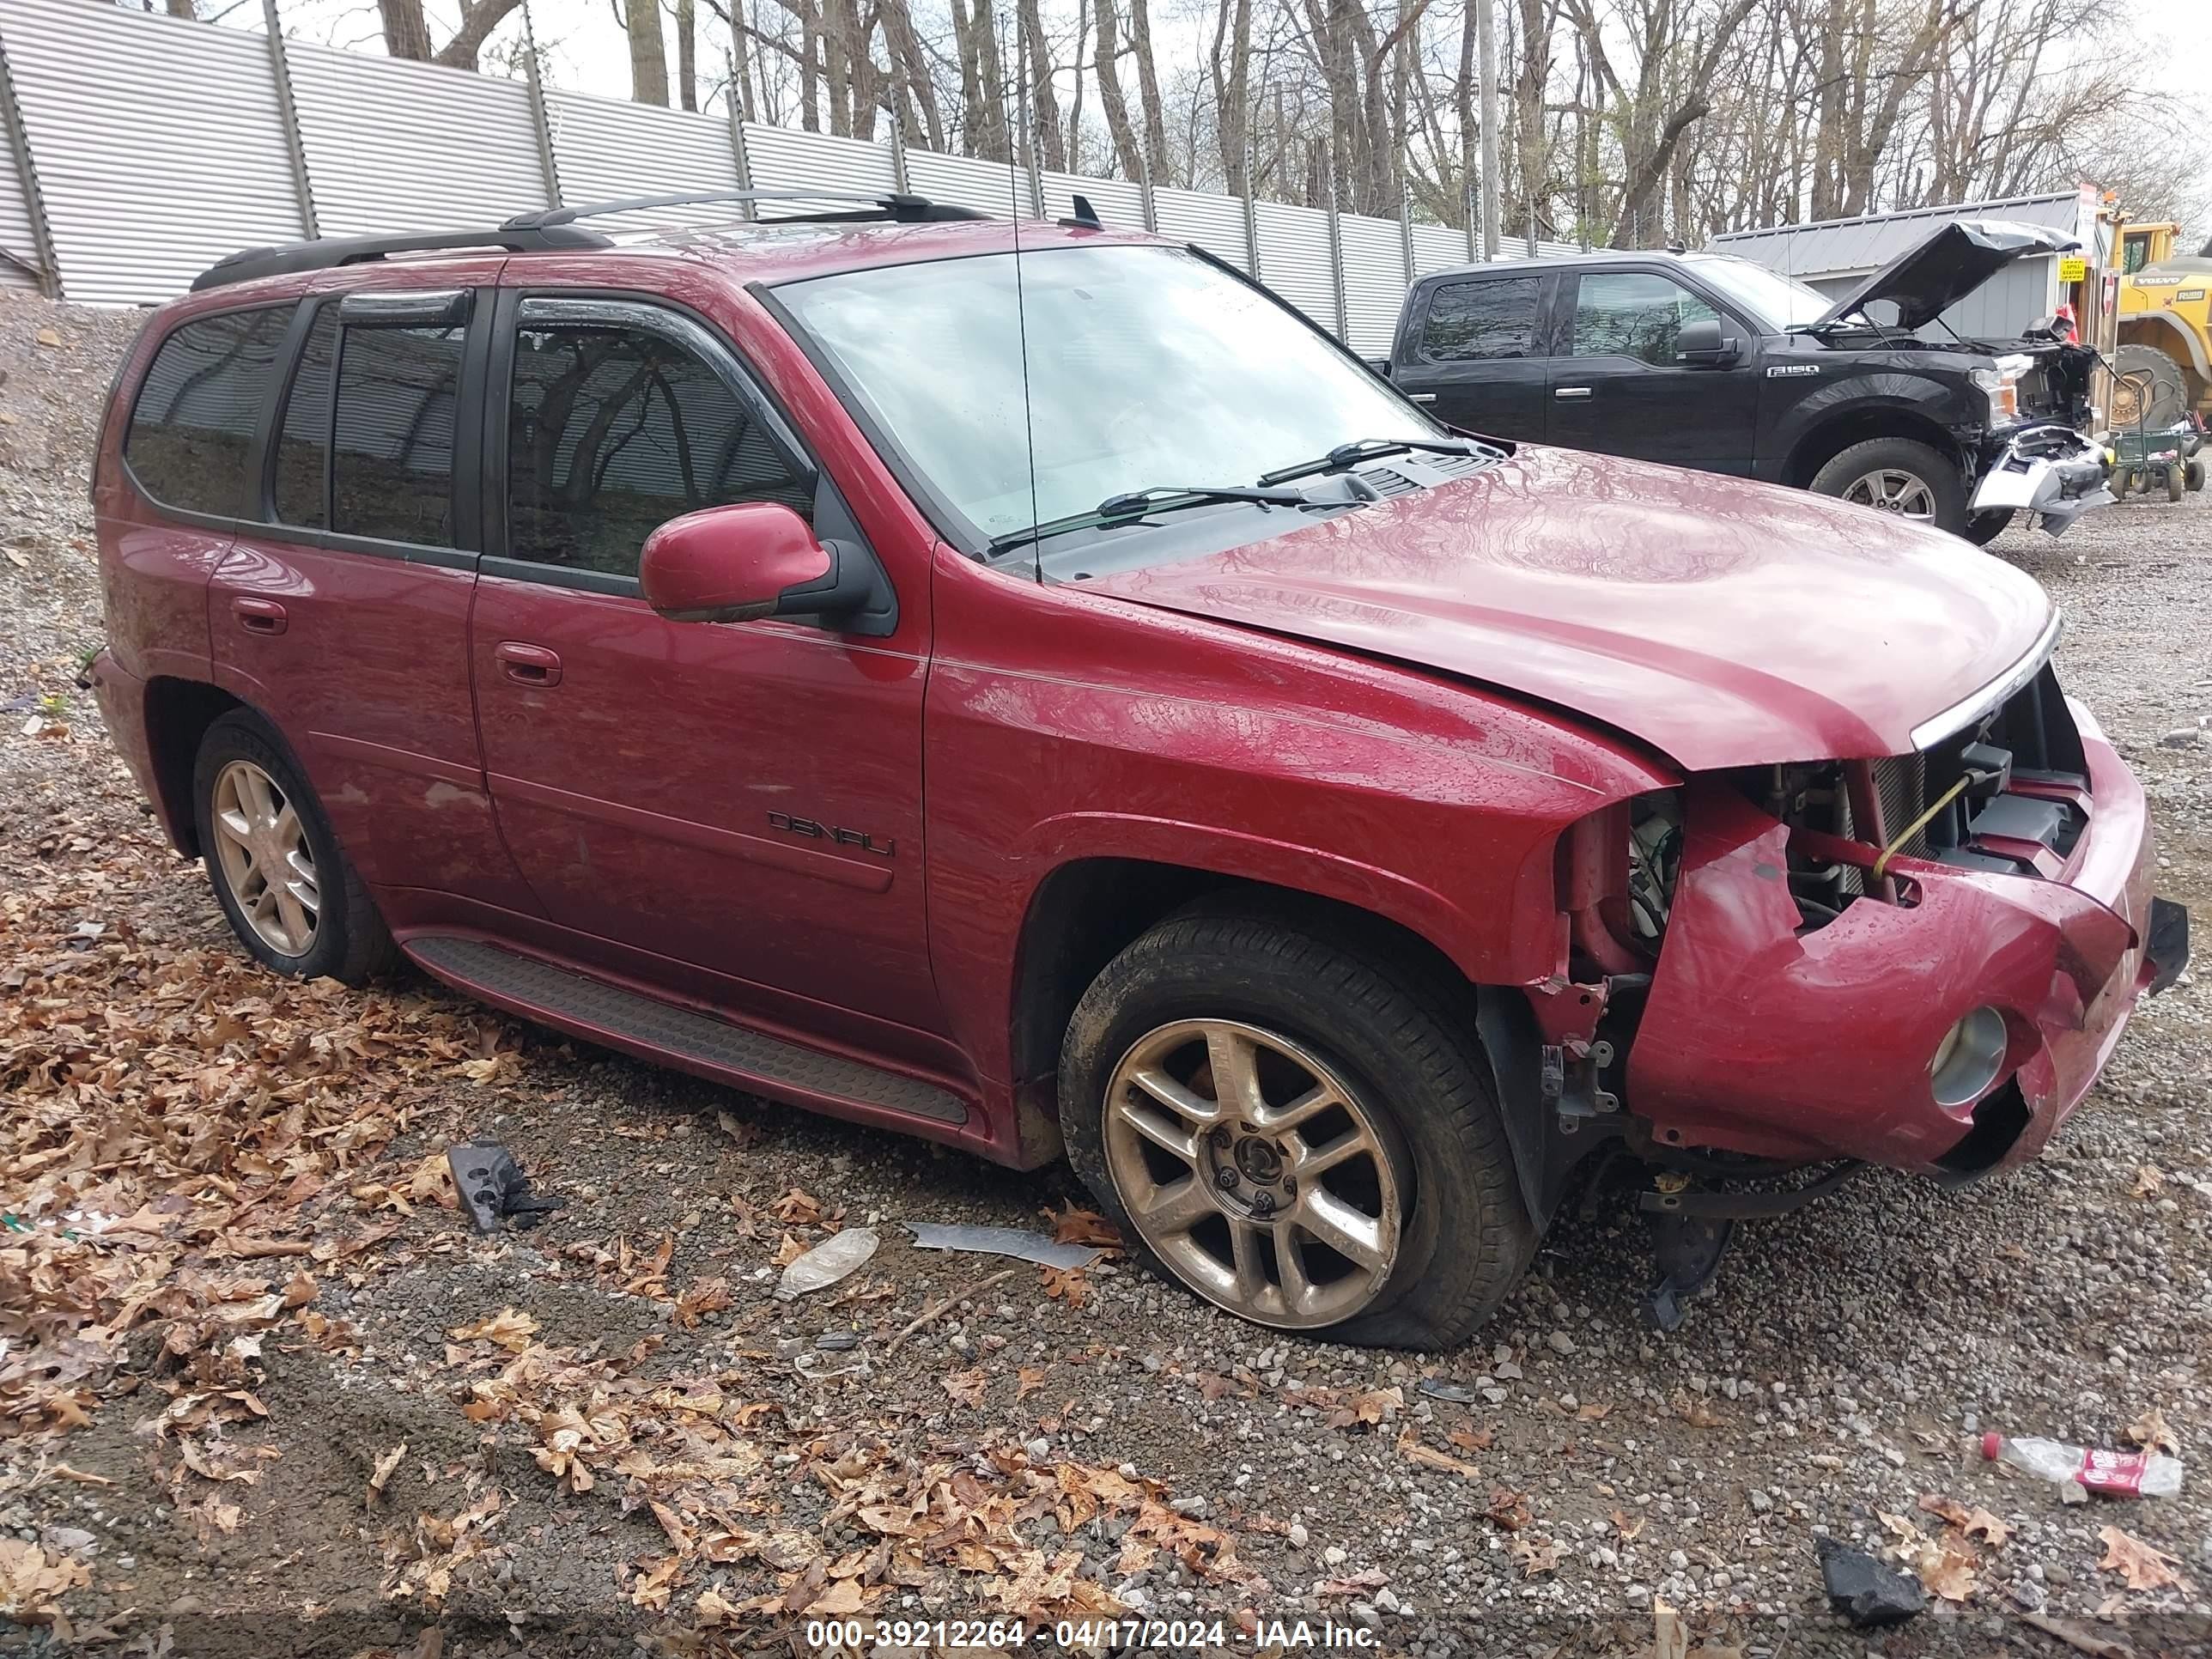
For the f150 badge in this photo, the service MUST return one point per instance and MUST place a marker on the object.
(867, 843)
(1790, 371)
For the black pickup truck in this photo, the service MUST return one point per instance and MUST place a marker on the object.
(1706, 360)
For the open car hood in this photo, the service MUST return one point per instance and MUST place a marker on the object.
(1720, 621)
(1925, 282)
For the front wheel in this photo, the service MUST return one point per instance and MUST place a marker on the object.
(1900, 477)
(1295, 1131)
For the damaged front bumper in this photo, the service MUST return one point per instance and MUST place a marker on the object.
(2051, 470)
(1763, 1036)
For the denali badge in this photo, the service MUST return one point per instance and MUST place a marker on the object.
(1784, 371)
(793, 826)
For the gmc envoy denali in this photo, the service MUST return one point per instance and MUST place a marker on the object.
(1027, 687)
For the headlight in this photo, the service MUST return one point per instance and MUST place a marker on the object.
(1999, 386)
(1968, 1059)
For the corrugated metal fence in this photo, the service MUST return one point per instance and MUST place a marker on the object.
(141, 148)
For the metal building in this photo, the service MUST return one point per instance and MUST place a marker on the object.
(1834, 255)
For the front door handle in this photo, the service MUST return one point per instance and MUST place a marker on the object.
(528, 664)
(1421, 396)
(257, 615)
(1571, 392)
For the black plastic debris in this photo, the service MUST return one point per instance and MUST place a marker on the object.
(493, 1187)
(1865, 1592)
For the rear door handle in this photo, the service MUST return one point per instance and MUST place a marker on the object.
(257, 615)
(528, 664)
(1571, 392)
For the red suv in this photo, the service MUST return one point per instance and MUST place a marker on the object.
(1028, 687)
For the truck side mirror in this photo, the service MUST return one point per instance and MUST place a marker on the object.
(1701, 345)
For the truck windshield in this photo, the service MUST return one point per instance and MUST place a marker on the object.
(1776, 303)
(1144, 365)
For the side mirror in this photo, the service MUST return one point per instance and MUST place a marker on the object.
(1700, 343)
(746, 560)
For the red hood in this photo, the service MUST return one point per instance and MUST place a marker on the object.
(1725, 624)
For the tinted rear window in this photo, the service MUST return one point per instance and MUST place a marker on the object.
(1472, 320)
(193, 421)
(392, 473)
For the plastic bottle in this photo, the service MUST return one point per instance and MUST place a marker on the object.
(2119, 1475)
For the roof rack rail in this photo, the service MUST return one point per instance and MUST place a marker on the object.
(900, 207)
(548, 230)
(327, 252)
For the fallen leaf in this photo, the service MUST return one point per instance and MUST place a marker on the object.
(1509, 1509)
(2151, 1432)
(1591, 1414)
(2144, 1566)
(2148, 1179)
(788, 1251)
(1693, 1410)
(1535, 1556)
(797, 1208)
(1074, 1226)
(966, 1387)
(508, 1329)
(47, 337)
(1469, 1439)
(1973, 1523)
(1028, 1380)
(1066, 1284)
(385, 1465)
(1628, 1534)
(706, 1296)
(1357, 1583)
(1409, 1443)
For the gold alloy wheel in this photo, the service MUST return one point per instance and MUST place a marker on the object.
(1250, 1168)
(263, 848)
(1889, 491)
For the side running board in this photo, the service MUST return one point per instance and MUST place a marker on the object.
(599, 1012)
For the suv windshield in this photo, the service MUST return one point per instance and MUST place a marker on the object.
(1776, 303)
(1145, 366)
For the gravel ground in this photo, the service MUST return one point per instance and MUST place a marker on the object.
(1583, 1468)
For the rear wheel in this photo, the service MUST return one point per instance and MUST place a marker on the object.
(1900, 477)
(288, 892)
(2174, 484)
(1296, 1131)
(2150, 389)
(2195, 478)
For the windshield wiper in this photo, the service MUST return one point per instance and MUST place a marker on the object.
(1159, 498)
(1346, 456)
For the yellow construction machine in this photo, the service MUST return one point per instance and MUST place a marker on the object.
(2164, 312)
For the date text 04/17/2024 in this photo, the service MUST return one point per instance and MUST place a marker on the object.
(1088, 1635)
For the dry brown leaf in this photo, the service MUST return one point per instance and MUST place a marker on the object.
(1357, 1583)
(797, 1208)
(1028, 1379)
(508, 1329)
(1948, 1569)
(2144, 1566)
(1213, 1386)
(1535, 1556)
(1509, 1509)
(706, 1296)
(966, 1387)
(1628, 1533)
(1065, 1284)
(789, 1250)
(1409, 1445)
(1591, 1414)
(841, 1598)
(2151, 1432)
(382, 1472)
(2148, 1179)
(1074, 1226)
(1469, 1439)
(1973, 1523)
(1693, 1410)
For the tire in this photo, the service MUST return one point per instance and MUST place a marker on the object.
(2173, 481)
(2122, 480)
(1929, 489)
(2195, 475)
(2150, 387)
(346, 939)
(1982, 528)
(1352, 1017)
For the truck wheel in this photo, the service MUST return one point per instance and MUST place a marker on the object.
(289, 893)
(1982, 528)
(1898, 476)
(1296, 1131)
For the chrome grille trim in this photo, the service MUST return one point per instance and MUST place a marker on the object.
(1963, 713)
